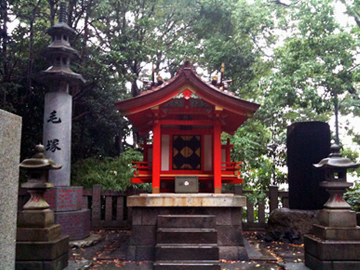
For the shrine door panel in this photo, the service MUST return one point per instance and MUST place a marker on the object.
(186, 152)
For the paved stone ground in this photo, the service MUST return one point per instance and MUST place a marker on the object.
(110, 253)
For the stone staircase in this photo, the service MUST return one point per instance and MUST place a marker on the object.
(186, 242)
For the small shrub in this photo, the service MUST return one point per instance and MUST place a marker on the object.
(110, 173)
(352, 197)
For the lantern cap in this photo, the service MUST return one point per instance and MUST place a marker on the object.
(335, 160)
(39, 160)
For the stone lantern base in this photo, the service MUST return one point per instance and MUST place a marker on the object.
(40, 244)
(335, 243)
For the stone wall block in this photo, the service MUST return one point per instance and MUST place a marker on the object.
(145, 253)
(236, 216)
(137, 216)
(230, 235)
(223, 216)
(149, 216)
(143, 235)
(10, 138)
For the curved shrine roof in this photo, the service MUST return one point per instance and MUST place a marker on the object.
(233, 110)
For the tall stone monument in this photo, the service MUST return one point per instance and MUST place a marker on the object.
(10, 138)
(307, 143)
(65, 200)
(58, 102)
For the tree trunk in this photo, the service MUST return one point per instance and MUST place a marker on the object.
(31, 47)
(52, 12)
(4, 39)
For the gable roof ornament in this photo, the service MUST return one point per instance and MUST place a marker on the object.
(187, 84)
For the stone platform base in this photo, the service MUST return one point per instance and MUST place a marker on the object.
(66, 201)
(76, 224)
(314, 263)
(331, 254)
(46, 255)
(59, 263)
(227, 208)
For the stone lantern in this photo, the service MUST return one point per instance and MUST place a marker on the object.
(335, 242)
(335, 167)
(38, 178)
(39, 243)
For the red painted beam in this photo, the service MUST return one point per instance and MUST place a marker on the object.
(187, 122)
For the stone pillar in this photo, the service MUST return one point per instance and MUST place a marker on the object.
(10, 138)
(57, 135)
(59, 77)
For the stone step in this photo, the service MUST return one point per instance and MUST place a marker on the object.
(166, 252)
(187, 265)
(186, 236)
(186, 221)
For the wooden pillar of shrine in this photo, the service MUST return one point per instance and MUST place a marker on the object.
(156, 157)
(217, 157)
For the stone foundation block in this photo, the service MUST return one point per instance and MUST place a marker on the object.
(236, 216)
(336, 233)
(38, 234)
(186, 221)
(64, 198)
(230, 235)
(186, 236)
(217, 211)
(186, 252)
(140, 253)
(327, 250)
(38, 251)
(232, 253)
(143, 235)
(337, 218)
(35, 218)
(76, 224)
(314, 263)
(59, 263)
(145, 253)
(186, 200)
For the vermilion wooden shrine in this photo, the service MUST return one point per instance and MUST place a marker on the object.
(186, 116)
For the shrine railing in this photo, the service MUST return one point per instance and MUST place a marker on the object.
(141, 167)
(108, 207)
(142, 171)
(256, 214)
(230, 172)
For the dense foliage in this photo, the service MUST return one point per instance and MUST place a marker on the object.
(110, 173)
(352, 197)
(296, 58)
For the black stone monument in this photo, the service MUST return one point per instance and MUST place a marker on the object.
(307, 144)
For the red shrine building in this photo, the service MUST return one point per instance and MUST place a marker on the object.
(186, 116)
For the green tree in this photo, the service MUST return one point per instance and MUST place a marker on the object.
(315, 68)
